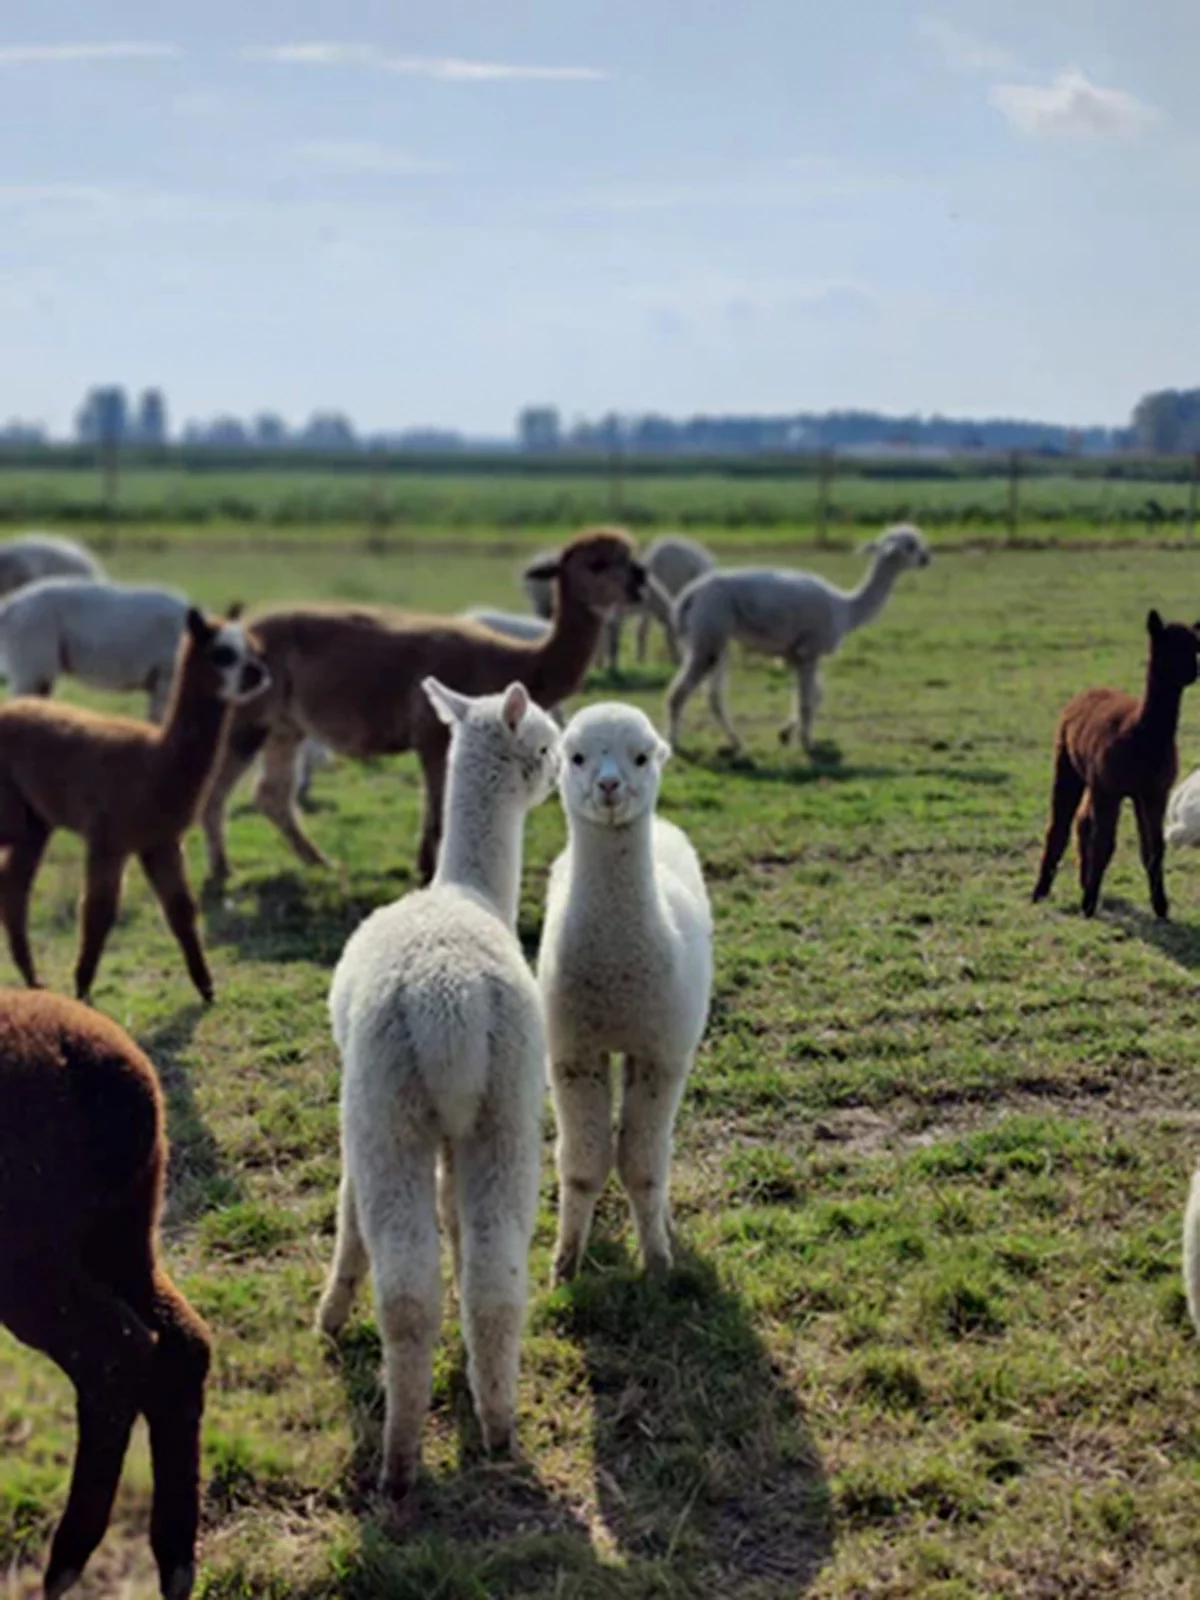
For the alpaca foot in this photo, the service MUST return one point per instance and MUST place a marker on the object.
(658, 1262)
(59, 1583)
(787, 732)
(1162, 910)
(1089, 905)
(333, 1310)
(500, 1443)
(179, 1584)
(566, 1267)
(1040, 891)
(397, 1481)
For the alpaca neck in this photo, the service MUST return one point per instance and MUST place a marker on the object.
(481, 842)
(190, 741)
(559, 665)
(616, 863)
(869, 599)
(1159, 713)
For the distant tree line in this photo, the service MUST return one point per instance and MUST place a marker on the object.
(1167, 422)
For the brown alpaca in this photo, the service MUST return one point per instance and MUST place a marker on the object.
(127, 787)
(351, 678)
(1111, 747)
(82, 1158)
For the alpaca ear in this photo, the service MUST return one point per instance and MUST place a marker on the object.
(235, 611)
(662, 752)
(1154, 624)
(450, 706)
(515, 705)
(870, 548)
(197, 625)
(544, 569)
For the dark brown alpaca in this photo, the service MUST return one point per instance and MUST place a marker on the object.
(1111, 747)
(129, 788)
(351, 678)
(82, 1158)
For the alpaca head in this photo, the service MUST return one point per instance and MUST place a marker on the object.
(612, 763)
(512, 743)
(1173, 649)
(221, 650)
(599, 567)
(901, 546)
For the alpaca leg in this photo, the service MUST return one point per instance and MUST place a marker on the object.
(243, 745)
(716, 699)
(1101, 843)
(174, 1413)
(1150, 810)
(350, 1264)
(582, 1094)
(433, 755)
(98, 912)
(275, 795)
(649, 1104)
(107, 1353)
(395, 1188)
(448, 1211)
(696, 667)
(643, 633)
(612, 640)
(165, 869)
(16, 884)
(497, 1187)
(808, 703)
(1064, 802)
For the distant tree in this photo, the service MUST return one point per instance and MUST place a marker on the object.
(151, 424)
(103, 417)
(269, 432)
(539, 428)
(1167, 422)
(328, 430)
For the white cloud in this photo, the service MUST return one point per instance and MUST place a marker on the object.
(449, 69)
(1073, 107)
(962, 51)
(20, 55)
(362, 156)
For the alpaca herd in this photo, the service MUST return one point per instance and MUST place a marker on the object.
(448, 1038)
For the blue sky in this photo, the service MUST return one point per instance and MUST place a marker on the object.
(440, 214)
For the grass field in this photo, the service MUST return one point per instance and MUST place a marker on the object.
(926, 1336)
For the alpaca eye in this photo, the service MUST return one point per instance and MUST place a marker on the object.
(577, 758)
(223, 656)
(543, 752)
(640, 759)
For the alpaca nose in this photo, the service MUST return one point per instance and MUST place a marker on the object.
(608, 788)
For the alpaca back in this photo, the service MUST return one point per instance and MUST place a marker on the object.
(111, 635)
(1183, 812)
(435, 1011)
(772, 610)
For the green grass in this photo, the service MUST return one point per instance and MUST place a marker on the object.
(926, 1335)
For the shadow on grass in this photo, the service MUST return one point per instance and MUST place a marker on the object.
(705, 1475)
(199, 1179)
(827, 766)
(303, 914)
(1179, 941)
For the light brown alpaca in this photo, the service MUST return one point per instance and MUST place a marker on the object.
(82, 1159)
(351, 678)
(129, 788)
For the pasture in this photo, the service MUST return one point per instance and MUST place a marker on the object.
(926, 1336)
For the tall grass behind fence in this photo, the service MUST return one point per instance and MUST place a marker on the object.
(820, 498)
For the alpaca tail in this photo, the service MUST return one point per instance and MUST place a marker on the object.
(1191, 1251)
(681, 611)
(452, 1049)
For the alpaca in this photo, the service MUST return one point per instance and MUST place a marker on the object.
(625, 966)
(1183, 811)
(796, 616)
(1191, 1251)
(44, 555)
(672, 562)
(82, 1165)
(351, 678)
(516, 624)
(1109, 747)
(109, 635)
(539, 591)
(127, 787)
(437, 1019)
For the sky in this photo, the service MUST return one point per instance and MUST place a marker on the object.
(437, 215)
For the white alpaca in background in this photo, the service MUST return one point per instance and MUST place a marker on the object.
(31, 556)
(796, 616)
(1183, 811)
(437, 1018)
(1191, 1252)
(625, 967)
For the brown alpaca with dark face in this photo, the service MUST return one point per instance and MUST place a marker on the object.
(82, 1159)
(351, 678)
(1111, 747)
(129, 788)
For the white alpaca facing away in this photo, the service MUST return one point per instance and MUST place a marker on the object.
(796, 616)
(439, 1025)
(1183, 812)
(625, 967)
(31, 556)
(1191, 1251)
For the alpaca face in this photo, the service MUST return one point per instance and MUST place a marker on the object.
(242, 672)
(905, 546)
(602, 569)
(1174, 647)
(612, 763)
(521, 740)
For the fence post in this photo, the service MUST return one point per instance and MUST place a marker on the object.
(1192, 485)
(616, 485)
(110, 468)
(824, 489)
(377, 512)
(1014, 493)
